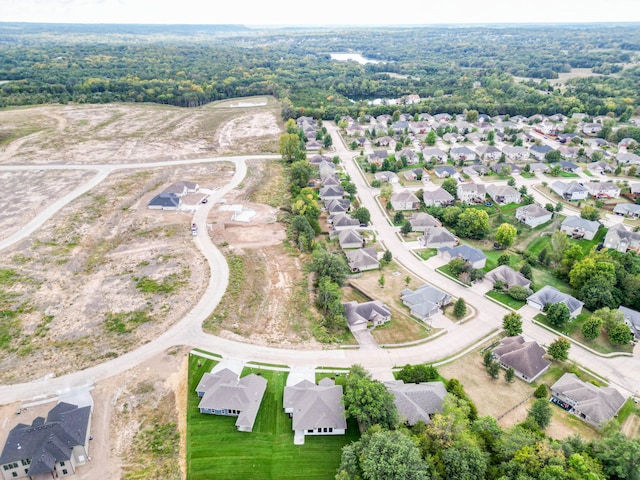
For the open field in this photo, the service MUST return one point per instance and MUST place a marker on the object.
(215, 449)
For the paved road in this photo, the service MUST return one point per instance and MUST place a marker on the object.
(624, 372)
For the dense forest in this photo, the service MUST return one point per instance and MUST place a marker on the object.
(450, 68)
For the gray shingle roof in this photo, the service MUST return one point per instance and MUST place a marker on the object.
(525, 358)
(579, 222)
(363, 313)
(417, 401)
(550, 295)
(165, 200)
(508, 275)
(363, 258)
(315, 406)
(470, 254)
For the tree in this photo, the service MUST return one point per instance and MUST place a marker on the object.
(381, 280)
(450, 185)
(558, 314)
(559, 349)
(289, 146)
(619, 456)
(510, 375)
(505, 235)
(464, 460)
(597, 294)
(541, 391)
(472, 116)
(406, 228)
(407, 280)
(589, 212)
(381, 455)
(418, 373)
(593, 266)
(300, 172)
(363, 215)
(541, 413)
(487, 358)
(398, 218)
(473, 223)
(620, 334)
(368, 401)
(302, 233)
(386, 191)
(512, 324)
(525, 270)
(591, 327)
(431, 138)
(553, 156)
(504, 259)
(328, 141)
(387, 256)
(494, 370)
(329, 301)
(326, 264)
(459, 308)
(518, 292)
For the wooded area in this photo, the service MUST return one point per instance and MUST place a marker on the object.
(450, 68)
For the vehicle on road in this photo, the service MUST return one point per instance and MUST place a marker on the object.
(204, 200)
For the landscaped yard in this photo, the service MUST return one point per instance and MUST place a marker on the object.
(573, 330)
(506, 299)
(427, 253)
(215, 449)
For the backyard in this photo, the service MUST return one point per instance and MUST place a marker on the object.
(215, 449)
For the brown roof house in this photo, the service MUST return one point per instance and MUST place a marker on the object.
(405, 200)
(225, 393)
(48, 448)
(526, 358)
(417, 402)
(592, 404)
(362, 259)
(507, 275)
(361, 316)
(315, 409)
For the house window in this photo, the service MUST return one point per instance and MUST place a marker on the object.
(64, 472)
(330, 429)
(310, 431)
(62, 464)
(5, 467)
(14, 474)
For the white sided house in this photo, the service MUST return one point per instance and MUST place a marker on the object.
(580, 228)
(315, 409)
(602, 189)
(549, 295)
(438, 198)
(405, 200)
(225, 393)
(533, 215)
(526, 358)
(503, 194)
(571, 192)
(471, 192)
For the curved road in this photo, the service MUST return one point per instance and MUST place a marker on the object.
(623, 371)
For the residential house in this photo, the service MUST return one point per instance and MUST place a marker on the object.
(419, 128)
(330, 180)
(591, 128)
(539, 152)
(314, 145)
(471, 192)
(526, 358)
(165, 201)
(452, 137)
(548, 295)
(316, 160)
(508, 276)
(621, 239)
(538, 167)
(378, 156)
(567, 166)
(385, 142)
(331, 192)
(599, 168)
(475, 170)
(48, 448)
(533, 215)
(571, 191)
(445, 171)
(326, 169)
(181, 188)
(361, 316)
(515, 153)
(628, 159)
(474, 137)
(627, 142)
(578, 227)
(410, 155)
(473, 256)
(602, 189)
(350, 239)
(405, 200)
(355, 130)
(225, 393)
(632, 319)
(438, 198)
(421, 221)
(343, 221)
(414, 174)
(595, 142)
(426, 301)
(567, 137)
(594, 405)
(503, 194)
(462, 153)
(341, 205)
(417, 402)
(362, 260)
(401, 126)
(437, 237)
(634, 188)
(434, 154)
(389, 177)
(627, 209)
(315, 409)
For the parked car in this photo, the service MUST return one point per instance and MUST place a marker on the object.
(204, 200)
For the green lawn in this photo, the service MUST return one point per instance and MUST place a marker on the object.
(506, 299)
(587, 245)
(538, 244)
(427, 253)
(215, 449)
(527, 175)
(568, 175)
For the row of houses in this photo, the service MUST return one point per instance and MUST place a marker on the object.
(314, 408)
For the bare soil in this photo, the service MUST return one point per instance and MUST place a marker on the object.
(631, 426)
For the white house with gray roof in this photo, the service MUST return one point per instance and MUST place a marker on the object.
(473, 256)
(621, 239)
(362, 260)
(315, 409)
(578, 227)
(594, 405)
(437, 237)
(165, 201)
(508, 276)
(627, 209)
(526, 358)
(462, 153)
(48, 448)
(343, 221)
(421, 221)
(225, 393)
(405, 200)
(602, 189)
(632, 319)
(533, 215)
(417, 402)
(361, 316)
(425, 301)
(434, 153)
(437, 198)
(503, 194)
(471, 192)
(628, 159)
(571, 191)
(331, 192)
(549, 295)
(350, 238)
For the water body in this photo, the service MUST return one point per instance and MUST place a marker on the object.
(343, 57)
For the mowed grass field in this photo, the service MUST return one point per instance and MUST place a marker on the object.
(216, 450)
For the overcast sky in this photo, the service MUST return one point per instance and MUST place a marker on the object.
(327, 12)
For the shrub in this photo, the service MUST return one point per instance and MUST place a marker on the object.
(518, 292)
(541, 391)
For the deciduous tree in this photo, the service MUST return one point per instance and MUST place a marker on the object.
(512, 324)
(559, 349)
(540, 412)
(506, 234)
(558, 314)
